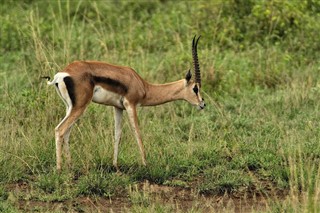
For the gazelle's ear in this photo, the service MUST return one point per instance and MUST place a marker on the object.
(188, 76)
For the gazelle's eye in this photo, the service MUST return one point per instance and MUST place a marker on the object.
(196, 90)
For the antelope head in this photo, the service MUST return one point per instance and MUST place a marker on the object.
(193, 86)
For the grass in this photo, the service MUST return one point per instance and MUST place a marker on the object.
(258, 136)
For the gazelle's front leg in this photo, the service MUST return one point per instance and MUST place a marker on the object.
(117, 134)
(132, 114)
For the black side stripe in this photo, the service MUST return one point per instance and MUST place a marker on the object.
(70, 88)
(111, 82)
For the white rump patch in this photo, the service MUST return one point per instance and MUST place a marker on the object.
(103, 96)
(63, 92)
(58, 77)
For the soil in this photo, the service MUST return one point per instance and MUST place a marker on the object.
(179, 199)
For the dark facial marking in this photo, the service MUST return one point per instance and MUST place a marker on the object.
(195, 89)
(70, 88)
(121, 88)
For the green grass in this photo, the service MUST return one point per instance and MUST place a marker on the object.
(259, 134)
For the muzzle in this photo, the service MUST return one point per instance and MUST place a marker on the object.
(201, 105)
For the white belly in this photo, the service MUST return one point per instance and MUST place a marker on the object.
(102, 96)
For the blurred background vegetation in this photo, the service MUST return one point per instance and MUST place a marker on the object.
(233, 24)
(123, 31)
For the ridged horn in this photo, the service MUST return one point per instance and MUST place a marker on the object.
(197, 75)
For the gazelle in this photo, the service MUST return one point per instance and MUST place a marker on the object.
(121, 87)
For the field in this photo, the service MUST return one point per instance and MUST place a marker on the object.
(254, 148)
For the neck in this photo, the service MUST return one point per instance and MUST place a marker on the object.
(163, 93)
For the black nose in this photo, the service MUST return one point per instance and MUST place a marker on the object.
(204, 104)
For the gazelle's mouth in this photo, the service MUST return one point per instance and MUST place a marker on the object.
(201, 106)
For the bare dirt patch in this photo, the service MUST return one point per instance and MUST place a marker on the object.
(143, 195)
(185, 199)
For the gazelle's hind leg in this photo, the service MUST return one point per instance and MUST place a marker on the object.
(66, 147)
(63, 93)
(63, 133)
(63, 143)
(75, 109)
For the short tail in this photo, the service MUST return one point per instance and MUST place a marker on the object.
(48, 79)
